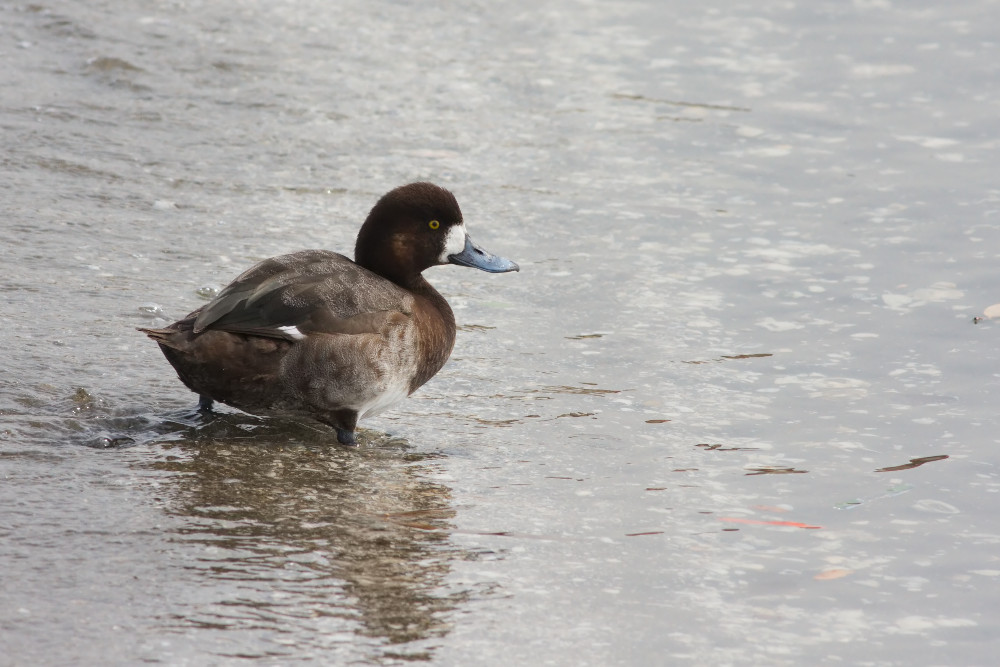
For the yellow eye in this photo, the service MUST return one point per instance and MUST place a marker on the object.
(434, 224)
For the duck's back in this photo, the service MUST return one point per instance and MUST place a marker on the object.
(310, 290)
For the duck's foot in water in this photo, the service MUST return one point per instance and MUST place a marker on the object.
(203, 412)
(347, 438)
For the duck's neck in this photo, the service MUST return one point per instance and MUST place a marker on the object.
(419, 285)
(437, 328)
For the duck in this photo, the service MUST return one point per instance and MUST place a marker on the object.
(316, 336)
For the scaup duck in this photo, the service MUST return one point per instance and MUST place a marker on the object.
(313, 334)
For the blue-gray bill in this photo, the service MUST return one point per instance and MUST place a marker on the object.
(474, 256)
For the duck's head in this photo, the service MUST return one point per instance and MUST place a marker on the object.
(415, 227)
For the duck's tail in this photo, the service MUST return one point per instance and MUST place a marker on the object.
(159, 335)
(173, 336)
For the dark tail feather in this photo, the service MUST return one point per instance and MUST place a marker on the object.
(161, 336)
(176, 335)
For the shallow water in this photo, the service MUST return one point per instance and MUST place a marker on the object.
(734, 409)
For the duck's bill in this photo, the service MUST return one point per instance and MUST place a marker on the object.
(477, 258)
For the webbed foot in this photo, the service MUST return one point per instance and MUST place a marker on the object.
(346, 437)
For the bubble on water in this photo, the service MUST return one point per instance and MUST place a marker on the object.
(207, 292)
(151, 310)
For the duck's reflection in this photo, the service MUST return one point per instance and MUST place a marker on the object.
(312, 541)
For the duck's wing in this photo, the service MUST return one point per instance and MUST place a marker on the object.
(313, 291)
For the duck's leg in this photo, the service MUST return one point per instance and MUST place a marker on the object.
(344, 422)
(346, 437)
(204, 403)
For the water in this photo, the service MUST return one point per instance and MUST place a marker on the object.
(734, 410)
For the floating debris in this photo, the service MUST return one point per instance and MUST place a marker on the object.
(678, 103)
(583, 391)
(730, 357)
(914, 463)
(770, 470)
(722, 448)
(889, 492)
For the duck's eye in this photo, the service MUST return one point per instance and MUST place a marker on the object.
(433, 224)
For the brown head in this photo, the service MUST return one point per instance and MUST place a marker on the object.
(415, 227)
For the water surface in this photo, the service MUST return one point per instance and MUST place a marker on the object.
(735, 409)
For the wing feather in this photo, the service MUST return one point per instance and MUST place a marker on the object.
(313, 291)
